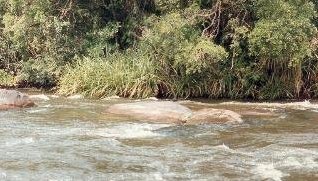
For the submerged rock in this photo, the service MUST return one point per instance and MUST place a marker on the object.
(172, 112)
(243, 109)
(210, 115)
(161, 111)
(14, 99)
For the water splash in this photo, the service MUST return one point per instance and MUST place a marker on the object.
(268, 171)
(75, 97)
(305, 105)
(40, 97)
(21, 141)
(126, 131)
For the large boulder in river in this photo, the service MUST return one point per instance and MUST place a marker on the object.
(14, 99)
(172, 112)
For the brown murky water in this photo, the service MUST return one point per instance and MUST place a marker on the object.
(69, 139)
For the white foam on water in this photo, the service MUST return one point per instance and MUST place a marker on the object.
(75, 97)
(285, 158)
(129, 131)
(40, 97)
(283, 116)
(158, 176)
(300, 163)
(3, 175)
(147, 99)
(54, 96)
(268, 171)
(160, 166)
(305, 105)
(223, 146)
(292, 162)
(296, 138)
(226, 148)
(152, 98)
(15, 142)
(111, 98)
(47, 106)
(37, 110)
(65, 131)
(205, 134)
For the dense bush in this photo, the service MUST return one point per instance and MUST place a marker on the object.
(172, 60)
(185, 61)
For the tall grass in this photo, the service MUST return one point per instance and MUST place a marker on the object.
(118, 74)
(133, 75)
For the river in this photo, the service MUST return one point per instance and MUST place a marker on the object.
(66, 139)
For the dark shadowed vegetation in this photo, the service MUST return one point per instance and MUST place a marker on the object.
(255, 49)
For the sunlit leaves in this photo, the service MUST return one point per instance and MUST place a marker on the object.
(283, 31)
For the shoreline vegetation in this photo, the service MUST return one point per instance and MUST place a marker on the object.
(218, 49)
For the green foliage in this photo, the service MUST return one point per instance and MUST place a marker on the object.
(284, 43)
(33, 31)
(172, 60)
(98, 42)
(168, 5)
(39, 73)
(200, 58)
(6, 79)
(35, 41)
(276, 89)
(284, 30)
(184, 59)
(259, 49)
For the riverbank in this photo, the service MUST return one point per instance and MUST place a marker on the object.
(260, 108)
(176, 49)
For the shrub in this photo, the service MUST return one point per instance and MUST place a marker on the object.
(185, 62)
(6, 79)
(281, 38)
(39, 72)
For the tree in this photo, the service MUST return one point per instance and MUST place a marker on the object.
(281, 38)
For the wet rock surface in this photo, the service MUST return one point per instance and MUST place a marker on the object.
(210, 115)
(173, 112)
(10, 99)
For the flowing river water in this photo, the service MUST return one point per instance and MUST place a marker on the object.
(71, 139)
